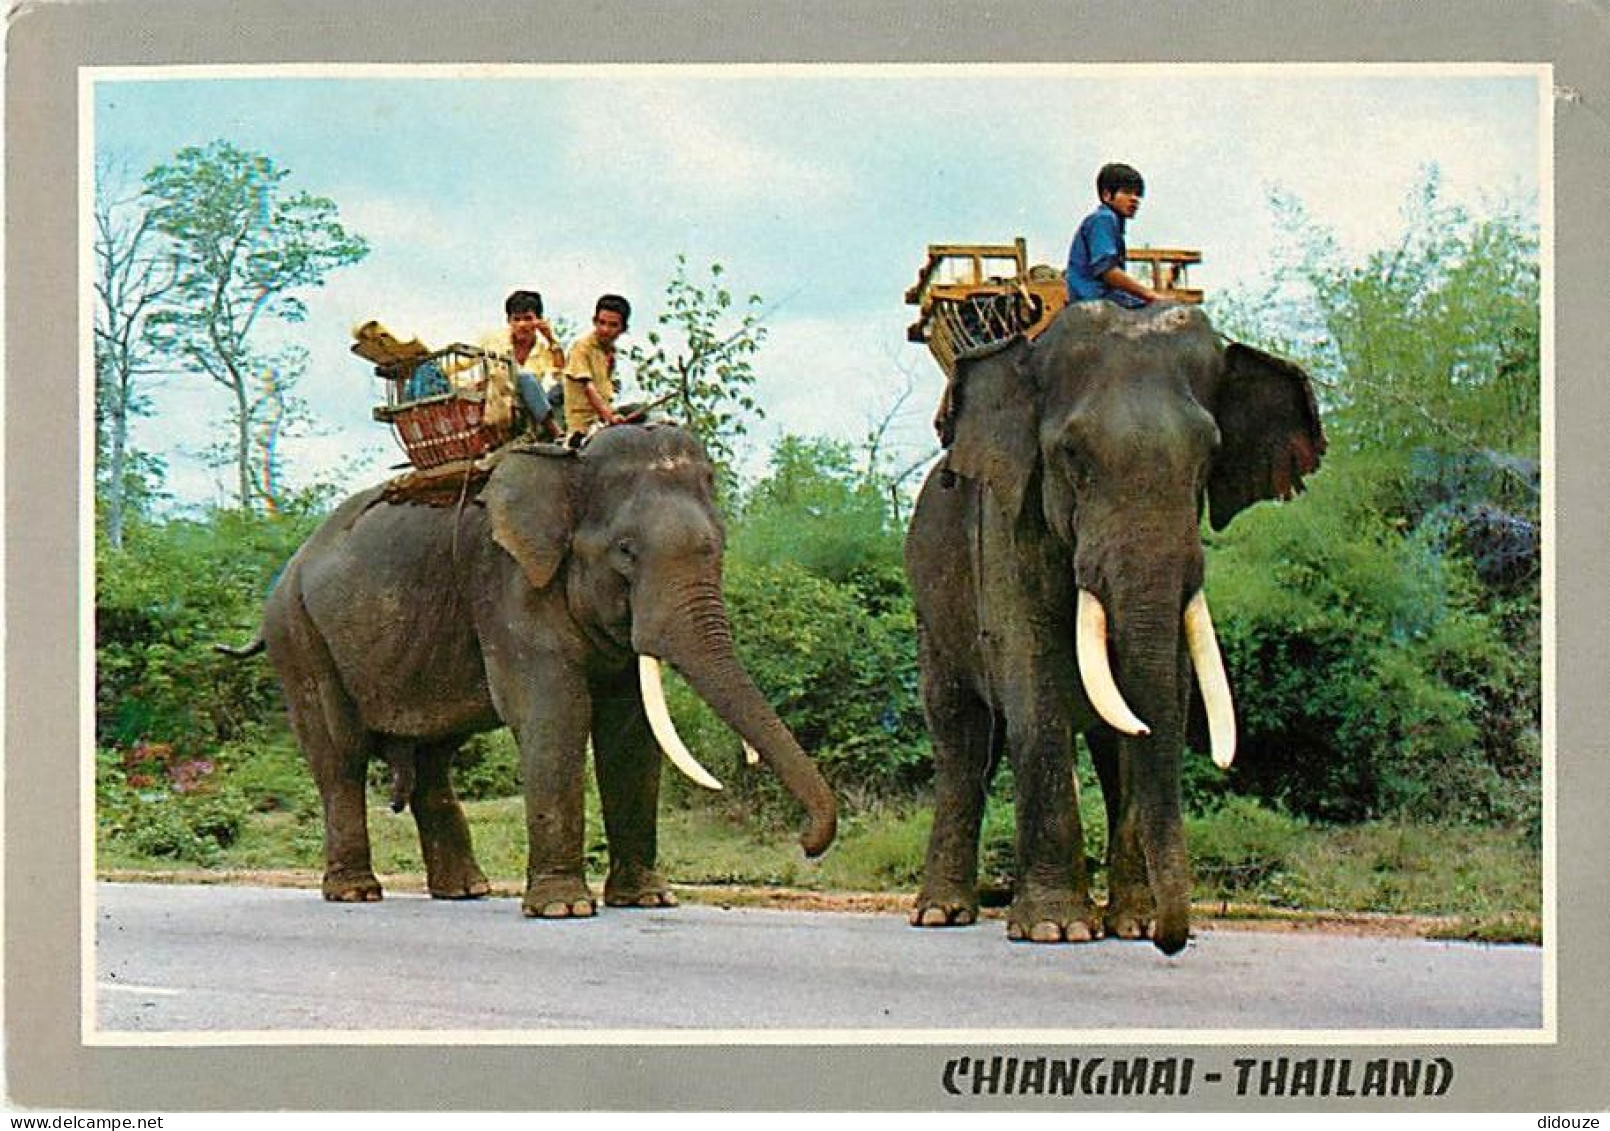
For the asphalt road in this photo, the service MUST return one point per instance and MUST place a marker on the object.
(186, 959)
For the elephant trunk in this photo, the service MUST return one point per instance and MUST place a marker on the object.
(1202, 645)
(698, 642)
(1150, 650)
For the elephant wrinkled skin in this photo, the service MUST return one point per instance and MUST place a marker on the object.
(398, 630)
(1076, 481)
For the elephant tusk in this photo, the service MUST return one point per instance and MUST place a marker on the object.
(1203, 645)
(751, 755)
(659, 721)
(1095, 672)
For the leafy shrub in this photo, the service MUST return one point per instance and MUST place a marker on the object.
(488, 765)
(842, 678)
(1241, 846)
(174, 590)
(1368, 675)
(189, 827)
(268, 770)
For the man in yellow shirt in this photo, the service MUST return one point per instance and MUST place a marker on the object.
(590, 370)
(530, 341)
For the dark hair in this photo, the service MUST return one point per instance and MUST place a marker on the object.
(1118, 178)
(615, 304)
(521, 302)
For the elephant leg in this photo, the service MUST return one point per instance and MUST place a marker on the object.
(336, 749)
(549, 712)
(627, 761)
(1051, 901)
(1129, 911)
(444, 833)
(967, 741)
(336, 745)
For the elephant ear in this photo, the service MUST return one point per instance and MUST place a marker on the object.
(528, 501)
(1269, 430)
(993, 402)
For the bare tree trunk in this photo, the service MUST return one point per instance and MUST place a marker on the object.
(119, 424)
(243, 443)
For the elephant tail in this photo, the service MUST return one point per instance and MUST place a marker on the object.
(244, 651)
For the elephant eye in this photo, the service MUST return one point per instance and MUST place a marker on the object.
(1082, 473)
(625, 549)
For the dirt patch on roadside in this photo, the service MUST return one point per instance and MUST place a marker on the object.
(1206, 917)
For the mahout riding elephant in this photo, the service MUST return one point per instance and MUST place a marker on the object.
(1056, 562)
(545, 601)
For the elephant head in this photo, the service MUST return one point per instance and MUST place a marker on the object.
(1097, 447)
(625, 531)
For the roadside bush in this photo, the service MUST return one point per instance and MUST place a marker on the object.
(844, 679)
(174, 590)
(1242, 848)
(267, 769)
(193, 829)
(488, 765)
(1369, 678)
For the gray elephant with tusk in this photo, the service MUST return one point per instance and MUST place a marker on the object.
(1056, 561)
(547, 602)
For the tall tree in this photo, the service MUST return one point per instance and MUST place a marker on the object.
(1431, 343)
(700, 355)
(133, 275)
(274, 413)
(243, 245)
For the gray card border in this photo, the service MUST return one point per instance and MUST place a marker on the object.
(47, 1065)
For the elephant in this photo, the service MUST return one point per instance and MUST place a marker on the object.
(545, 601)
(1056, 563)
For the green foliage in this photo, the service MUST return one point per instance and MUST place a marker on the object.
(132, 280)
(267, 769)
(241, 245)
(1432, 343)
(151, 803)
(1384, 632)
(1241, 847)
(488, 765)
(1370, 679)
(823, 620)
(700, 355)
(817, 510)
(842, 677)
(162, 602)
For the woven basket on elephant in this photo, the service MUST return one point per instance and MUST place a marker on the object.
(455, 403)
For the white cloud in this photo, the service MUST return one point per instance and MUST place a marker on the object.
(822, 195)
(841, 378)
(677, 142)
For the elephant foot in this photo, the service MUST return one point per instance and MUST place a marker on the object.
(1052, 921)
(1127, 925)
(637, 888)
(455, 876)
(1129, 914)
(559, 897)
(944, 908)
(476, 887)
(352, 889)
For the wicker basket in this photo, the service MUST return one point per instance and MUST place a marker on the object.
(448, 426)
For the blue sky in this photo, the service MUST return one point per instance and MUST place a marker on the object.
(816, 187)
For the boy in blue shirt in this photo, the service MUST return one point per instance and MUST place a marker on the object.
(1096, 258)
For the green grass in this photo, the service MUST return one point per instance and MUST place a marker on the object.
(1250, 861)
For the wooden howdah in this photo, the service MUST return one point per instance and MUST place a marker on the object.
(974, 295)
